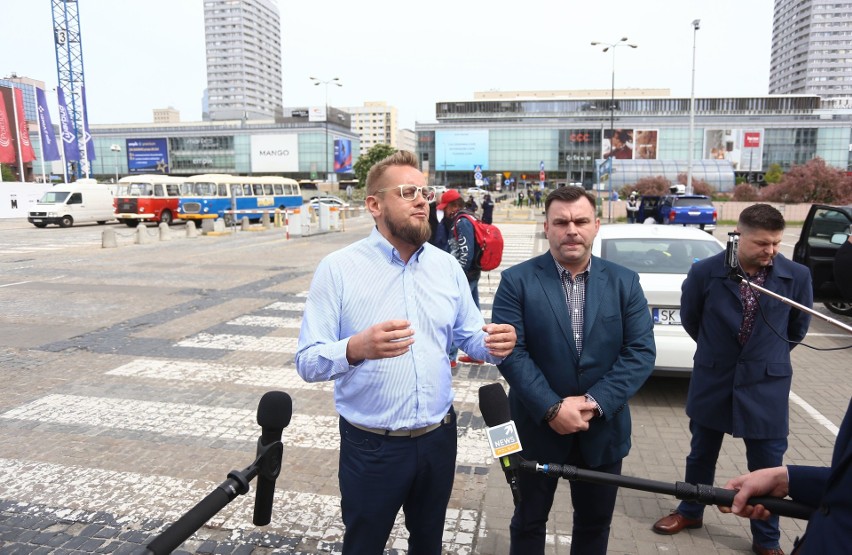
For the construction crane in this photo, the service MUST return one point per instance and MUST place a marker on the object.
(68, 43)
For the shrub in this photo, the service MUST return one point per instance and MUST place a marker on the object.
(744, 192)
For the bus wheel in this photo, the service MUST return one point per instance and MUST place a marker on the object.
(129, 223)
(66, 221)
(166, 217)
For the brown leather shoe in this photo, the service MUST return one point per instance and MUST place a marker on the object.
(766, 550)
(675, 522)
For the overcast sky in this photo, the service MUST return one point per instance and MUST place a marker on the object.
(144, 55)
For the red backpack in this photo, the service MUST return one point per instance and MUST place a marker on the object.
(488, 239)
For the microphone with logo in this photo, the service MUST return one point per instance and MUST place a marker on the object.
(502, 434)
(273, 415)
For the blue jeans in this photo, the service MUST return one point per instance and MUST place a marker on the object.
(701, 469)
(380, 474)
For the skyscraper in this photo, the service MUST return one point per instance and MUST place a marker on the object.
(243, 39)
(812, 50)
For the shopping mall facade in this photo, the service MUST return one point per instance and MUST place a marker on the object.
(567, 138)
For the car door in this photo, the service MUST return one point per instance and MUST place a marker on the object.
(815, 249)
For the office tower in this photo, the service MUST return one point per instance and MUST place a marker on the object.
(812, 50)
(376, 123)
(243, 40)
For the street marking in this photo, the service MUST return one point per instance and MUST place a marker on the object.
(232, 342)
(267, 322)
(815, 414)
(32, 281)
(296, 307)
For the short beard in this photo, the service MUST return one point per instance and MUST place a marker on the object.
(409, 233)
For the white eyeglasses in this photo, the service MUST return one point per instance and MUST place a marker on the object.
(409, 192)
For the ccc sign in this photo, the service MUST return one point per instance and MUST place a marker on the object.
(580, 137)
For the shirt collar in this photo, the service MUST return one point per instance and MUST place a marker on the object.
(379, 241)
(560, 269)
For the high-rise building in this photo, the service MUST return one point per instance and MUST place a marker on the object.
(812, 50)
(376, 123)
(243, 40)
(166, 115)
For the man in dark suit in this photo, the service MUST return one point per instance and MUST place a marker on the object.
(584, 346)
(742, 371)
(826, 489)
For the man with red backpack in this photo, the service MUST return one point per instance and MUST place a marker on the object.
(462, 245)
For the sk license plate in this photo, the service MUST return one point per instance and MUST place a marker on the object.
(666, 316)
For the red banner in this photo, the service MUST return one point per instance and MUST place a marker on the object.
(23, 131)
(7, 141)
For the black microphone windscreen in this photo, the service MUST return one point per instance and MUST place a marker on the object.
(494, 405)
(274, 410)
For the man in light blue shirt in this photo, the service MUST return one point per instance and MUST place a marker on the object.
(379, 318)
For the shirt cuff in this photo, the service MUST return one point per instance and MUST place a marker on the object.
(598, 408)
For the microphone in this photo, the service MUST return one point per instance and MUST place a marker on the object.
(732, 261)
(273, 415)
(502, 435)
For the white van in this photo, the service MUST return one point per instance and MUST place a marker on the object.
(67, 204)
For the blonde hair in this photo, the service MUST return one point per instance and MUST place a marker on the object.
(398, 158)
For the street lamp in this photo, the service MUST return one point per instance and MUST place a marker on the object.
(695, 26)
(607, 47)
(317, 82)
(116, 149)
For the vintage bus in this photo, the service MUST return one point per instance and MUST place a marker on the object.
(232, 197)
(148, 198)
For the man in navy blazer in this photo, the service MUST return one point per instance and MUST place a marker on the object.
(584, 346)
(826, 489)
(742, 371)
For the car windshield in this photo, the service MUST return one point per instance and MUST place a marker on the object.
(657, 255)
(54, 197)
(693, 202)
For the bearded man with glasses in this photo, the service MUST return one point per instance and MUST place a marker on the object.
(379, 318)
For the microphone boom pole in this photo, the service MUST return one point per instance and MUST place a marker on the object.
(697, 493)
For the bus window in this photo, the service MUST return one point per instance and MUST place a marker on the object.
(267, 188)
(258, 190)
(247, 190)
(223, 190)
(237, 190)
(278, 188)
(158, 190)
(173, 189)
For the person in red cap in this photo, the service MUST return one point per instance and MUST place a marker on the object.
(461, 243)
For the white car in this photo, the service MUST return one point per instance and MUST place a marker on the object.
(662, 256)
(329, 200)
(476, 191)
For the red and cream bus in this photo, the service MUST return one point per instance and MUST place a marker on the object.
(148, 198)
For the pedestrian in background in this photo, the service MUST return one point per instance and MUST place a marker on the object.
(487, 209)
(392, 388)
(742, 371)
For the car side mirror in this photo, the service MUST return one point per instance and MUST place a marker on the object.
(839, 238)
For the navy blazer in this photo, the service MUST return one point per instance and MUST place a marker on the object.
(618, 355)
(743, 390)
(829, 490)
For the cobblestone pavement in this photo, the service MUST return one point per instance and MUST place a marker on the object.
(132, 376)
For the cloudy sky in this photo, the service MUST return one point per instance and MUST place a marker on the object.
(144, 55)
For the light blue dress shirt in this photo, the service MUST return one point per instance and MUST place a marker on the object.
(367, 283)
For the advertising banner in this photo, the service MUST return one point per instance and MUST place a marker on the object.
(50, 150)
(7, 140)
(620, 146)
(316, 113)
(147, 156)
(87, 137)
(69, 139)
(342, 155)
(645, 144)
(742, 148)
(461, 150)
(27, 152)
(275, 153)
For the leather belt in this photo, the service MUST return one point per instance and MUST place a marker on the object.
(406, 433)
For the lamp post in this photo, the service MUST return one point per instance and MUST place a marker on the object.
(317, 82)
(608, 47)
(116, 149)
(695, 26)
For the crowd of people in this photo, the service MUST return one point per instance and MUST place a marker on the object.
(573, 336)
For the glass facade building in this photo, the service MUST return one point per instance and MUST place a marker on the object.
(567, 139)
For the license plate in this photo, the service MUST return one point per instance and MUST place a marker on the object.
(666, 316)
(37, 220)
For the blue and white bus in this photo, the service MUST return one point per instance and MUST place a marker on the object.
(232, 197)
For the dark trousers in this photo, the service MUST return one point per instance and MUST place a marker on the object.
(593, 506)
(701, 469)
(379, 475)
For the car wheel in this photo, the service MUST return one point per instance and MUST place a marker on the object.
(66, 221)
(40, 225)
(166, 217)
(844, 309)
(101, 222)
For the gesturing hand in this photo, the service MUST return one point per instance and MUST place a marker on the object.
(383, 340)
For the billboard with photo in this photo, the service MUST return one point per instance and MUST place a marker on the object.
(147, 155)
(645, 144)
(461, 150)
(620, 147)
(275, 153)
(342, 155)
(743, 148)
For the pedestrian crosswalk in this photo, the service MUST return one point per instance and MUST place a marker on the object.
(300, 509)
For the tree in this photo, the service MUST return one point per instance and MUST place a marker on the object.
(366, 161)
(8, 174)
(699, 186)
(812, 182)
(745, 192)
(774, 174)
(657, 185)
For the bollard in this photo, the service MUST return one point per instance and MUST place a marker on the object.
(244, 223)
(191, 230)
(264, 220)
(287, 226)
(141, 234)
(108, 239)
(164, 232)
(219, 225)
(277, 217)
(207, 225)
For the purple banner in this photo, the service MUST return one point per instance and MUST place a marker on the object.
(69, 139)
(50, 151)
(90, 144)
